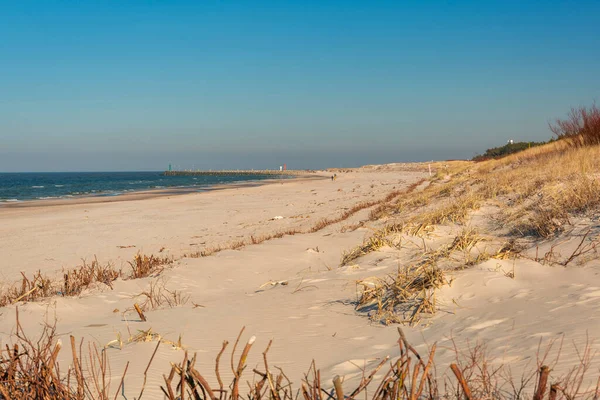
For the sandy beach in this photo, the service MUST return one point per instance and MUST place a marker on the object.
(233, 287)
(294, 289)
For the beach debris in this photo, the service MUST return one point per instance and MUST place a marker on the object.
(140, 312)
(126, 247)
(276, 218)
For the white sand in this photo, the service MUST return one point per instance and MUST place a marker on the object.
(309, 318)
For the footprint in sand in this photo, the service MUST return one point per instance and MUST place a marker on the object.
(316, 280)
(540, 335)
(382, 346)
(298, 317)
(486, 324)
(569, 305)
(594, 294)
(349, 366)
(508, 359)
(576, 285)
(379, 268)
(521, 294)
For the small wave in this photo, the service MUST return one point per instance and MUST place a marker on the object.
(59, 185)
(11, 200)
(46, 198)
(38, 187)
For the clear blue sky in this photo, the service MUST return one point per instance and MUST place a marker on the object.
(126, 85)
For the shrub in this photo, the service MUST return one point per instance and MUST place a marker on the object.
(580, 128)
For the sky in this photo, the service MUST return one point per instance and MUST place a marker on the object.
(136, 85)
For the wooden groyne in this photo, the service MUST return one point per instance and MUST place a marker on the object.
(241, 172)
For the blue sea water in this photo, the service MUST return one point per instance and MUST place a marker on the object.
(15, 187)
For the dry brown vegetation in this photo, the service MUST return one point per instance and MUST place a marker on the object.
(409, 294)
(581, 127)
(29, 370)
(76, 280)
(158, 296)
(143, 265)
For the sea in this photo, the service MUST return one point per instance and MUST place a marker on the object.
(26, 186)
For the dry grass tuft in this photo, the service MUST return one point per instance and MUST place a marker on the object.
(143, 265)
(403, 297)
(372, 243)
(78, 279)
(325, 222)
(158, 296)
(454, 211)
(29, 289)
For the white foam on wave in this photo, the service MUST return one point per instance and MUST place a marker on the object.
(37, 187)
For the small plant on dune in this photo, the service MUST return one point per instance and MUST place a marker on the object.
(39, 286)
(76, 280)
(372, 243)
(402, 297)
(465, 240)
(143, 265)
(82, 277)
(455, 211)
(158, 296)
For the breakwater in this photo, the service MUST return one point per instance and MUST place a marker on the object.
(240, 172)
